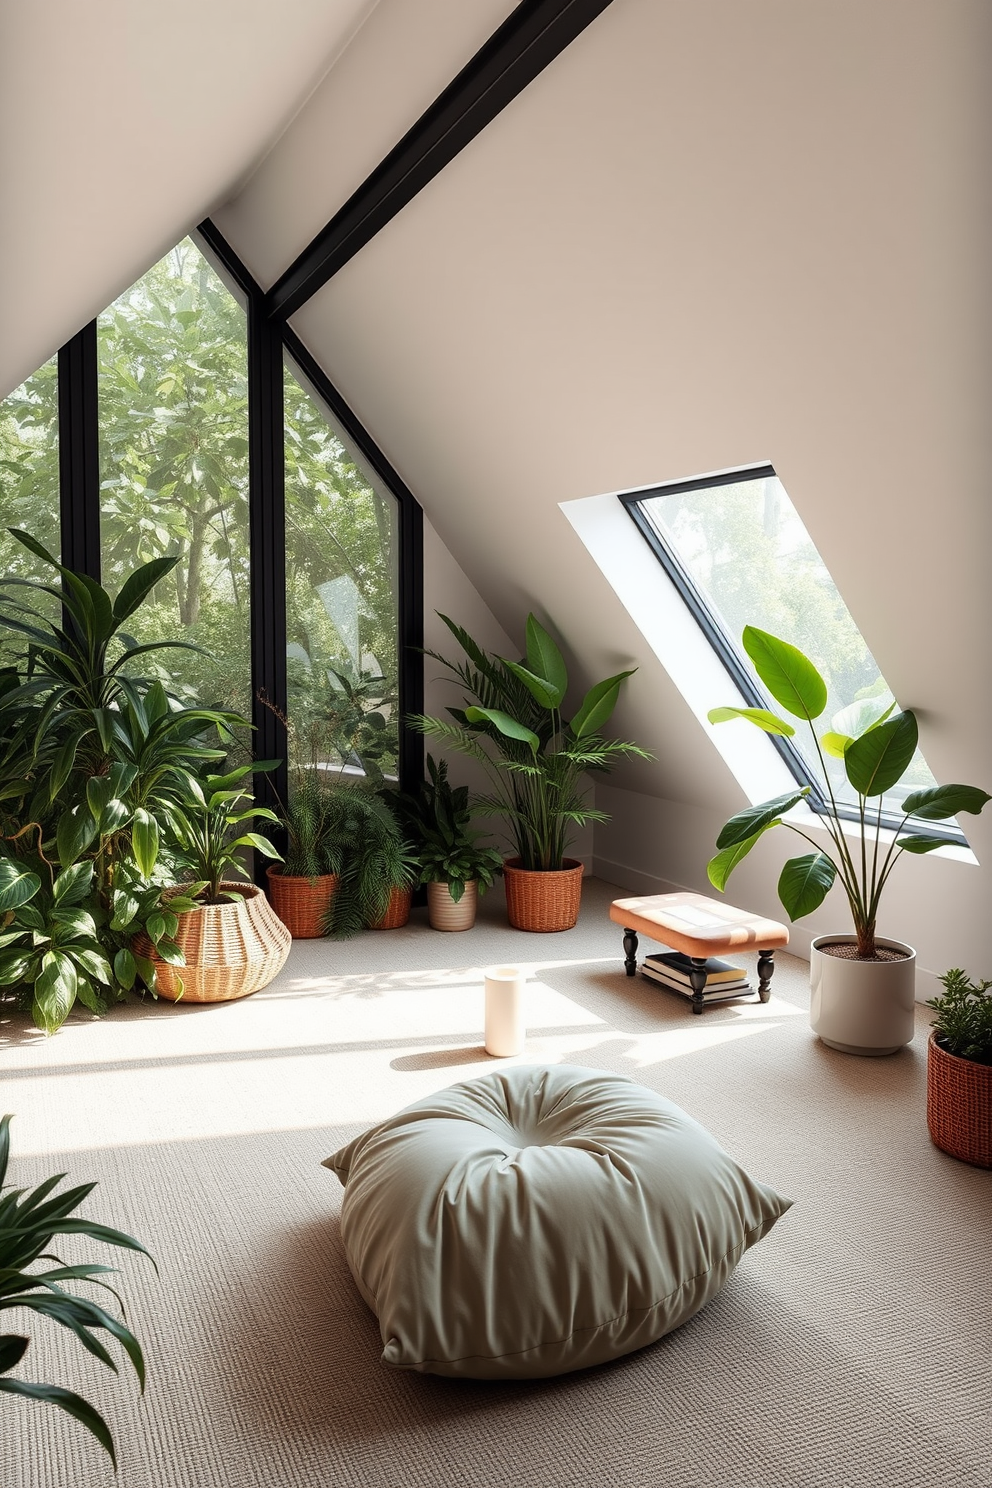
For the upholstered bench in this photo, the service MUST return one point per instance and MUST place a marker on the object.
(699, 928)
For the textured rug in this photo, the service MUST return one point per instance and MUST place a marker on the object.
(850, 1348)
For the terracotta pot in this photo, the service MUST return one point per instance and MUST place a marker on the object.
(397, 910)
(543, 901)
(231, 949)
(445, 914)
(301, 903)
(959, 1105)
(862, 1007)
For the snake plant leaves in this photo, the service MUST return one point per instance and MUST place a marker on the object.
(804, 883)
(770, 723)
(598, 704)
(719, 868)
(942, 801)
(544, 658)
(507, 726)
(758, 818)
(790, 677)
(920, 844)
(17, 885)
(878, 760)
(543, 691)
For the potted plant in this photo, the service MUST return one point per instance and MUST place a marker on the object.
(456, 870)
(95, 758)
(862, 984)
(377, 869)
(512, 723)
(959, 1069)
(29, 1221)
(302, 885)
(215, 938)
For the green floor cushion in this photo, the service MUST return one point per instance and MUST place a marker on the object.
(541, 1219)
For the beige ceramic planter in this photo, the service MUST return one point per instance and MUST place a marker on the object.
(445, 914)
(862, 1007)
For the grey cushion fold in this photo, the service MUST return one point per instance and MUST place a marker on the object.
(539, 1220)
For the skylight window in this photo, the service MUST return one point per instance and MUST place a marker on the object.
(739, 553)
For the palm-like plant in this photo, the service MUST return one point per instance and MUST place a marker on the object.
(535, 758)
(29, 1221)
(876, 749)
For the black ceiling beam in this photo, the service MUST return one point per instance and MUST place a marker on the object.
(531, 37)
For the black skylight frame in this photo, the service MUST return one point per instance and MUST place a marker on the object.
(716, 633)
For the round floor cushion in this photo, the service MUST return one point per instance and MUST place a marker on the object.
(541, 1219)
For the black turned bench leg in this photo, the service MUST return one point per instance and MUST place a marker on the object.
(766, 970)
(697, 978)
(630, 951)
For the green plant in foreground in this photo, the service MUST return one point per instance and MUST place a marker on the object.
(964, 1016)
(208, 829)
(512, 724)
(436, 818)
(29, 1221)
(876, 748)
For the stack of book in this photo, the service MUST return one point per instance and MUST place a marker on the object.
(671, 969)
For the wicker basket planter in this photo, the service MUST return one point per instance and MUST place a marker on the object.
(301, 903)
(397, 910)
(543, 901)
(442, 911)
(231, 949)
(959, 1105)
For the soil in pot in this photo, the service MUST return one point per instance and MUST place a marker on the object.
(862, 1007)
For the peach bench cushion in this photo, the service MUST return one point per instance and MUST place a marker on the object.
(697, 926)
(539, 1220)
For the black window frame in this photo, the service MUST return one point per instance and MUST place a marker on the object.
(722, 643)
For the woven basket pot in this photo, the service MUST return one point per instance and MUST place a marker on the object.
(301, 903)
(231, 949)
(397, 910)
(444, 913)
(543, 901)
(959, 1105)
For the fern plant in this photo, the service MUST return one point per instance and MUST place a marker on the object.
(364, 840)
(29, 1221)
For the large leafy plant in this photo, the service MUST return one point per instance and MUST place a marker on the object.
(95, 763)
(30, 1219)
(210, 830)
(876, 745)
(512, 723)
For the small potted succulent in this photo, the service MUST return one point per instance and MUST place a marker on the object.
(456, 870)
(959, 1069)
(862, 984)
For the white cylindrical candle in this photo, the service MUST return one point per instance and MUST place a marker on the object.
(505, 1010)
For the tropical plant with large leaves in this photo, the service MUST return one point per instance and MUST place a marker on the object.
(30, 1219)
(876, 744)
(512, 723)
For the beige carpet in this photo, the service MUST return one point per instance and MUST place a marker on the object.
(851, 1348)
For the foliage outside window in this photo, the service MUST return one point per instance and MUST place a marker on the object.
(341, 583)
(744, 557)
(173, 394)
(29, 473)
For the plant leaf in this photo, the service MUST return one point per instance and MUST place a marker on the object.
(144, 841)
(17, 885)
(878, 760)
(544, 692)
(858, 717)
(544, 658)
(805, 882)
(598, 704)
(507, 726)
(921, 844)
(836, 744)
(939, 802)
(720, 868)
(790, 677)
(769, 722)
(757, 818)
(68, 1401)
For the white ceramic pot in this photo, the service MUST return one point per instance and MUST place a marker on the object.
(862, 1007)
(444, 913)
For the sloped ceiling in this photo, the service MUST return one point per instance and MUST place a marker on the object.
(122, 123)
